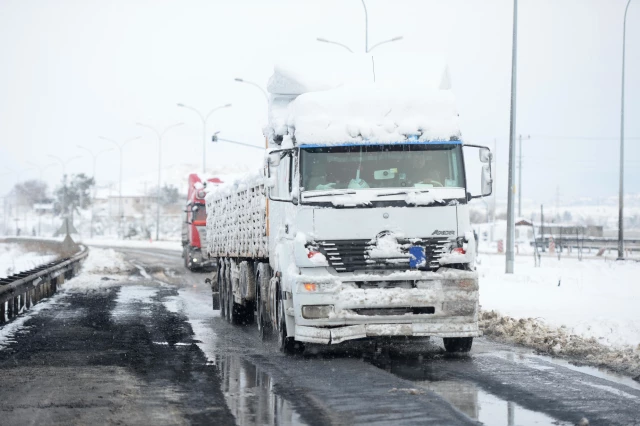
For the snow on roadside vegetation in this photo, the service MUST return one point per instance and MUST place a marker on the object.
(15, 258)
(585, 310)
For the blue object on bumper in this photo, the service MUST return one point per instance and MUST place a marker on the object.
(418, 257)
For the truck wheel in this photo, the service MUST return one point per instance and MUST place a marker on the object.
(247, 284)
(215, 293)
(263, 275)
(287, 343)
(231, 314)
(457, 344)
(222, 289)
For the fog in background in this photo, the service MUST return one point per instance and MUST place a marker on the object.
(75, 70)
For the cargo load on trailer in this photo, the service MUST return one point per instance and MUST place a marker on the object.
(358, 224)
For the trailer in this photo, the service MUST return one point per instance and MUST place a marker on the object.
(358, 224)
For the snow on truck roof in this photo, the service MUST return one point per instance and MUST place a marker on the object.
(330, 100)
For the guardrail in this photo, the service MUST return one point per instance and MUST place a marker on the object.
(19, 292)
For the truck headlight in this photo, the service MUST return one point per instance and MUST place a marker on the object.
(317, 287)
(316, 311)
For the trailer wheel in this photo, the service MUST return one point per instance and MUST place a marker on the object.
(247, 289)
(263, 275)
(288, 344)
(457, 344)
(215, 293)
(222, 289)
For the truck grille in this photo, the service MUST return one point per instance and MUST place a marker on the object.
(352, 255)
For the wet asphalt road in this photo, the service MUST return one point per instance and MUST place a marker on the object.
(148, 349)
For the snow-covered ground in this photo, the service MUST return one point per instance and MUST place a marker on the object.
(592, 298)
(15, 258)
(582, 309)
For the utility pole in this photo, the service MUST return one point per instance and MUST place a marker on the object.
(511, 229)
(621, 194)
(520, 174)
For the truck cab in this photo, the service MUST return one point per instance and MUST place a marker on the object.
(194, 227)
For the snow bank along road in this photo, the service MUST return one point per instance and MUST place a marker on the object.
(137, 342)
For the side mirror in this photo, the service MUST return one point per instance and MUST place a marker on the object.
(485, 155)
(486, 181)
(273, 160)
(207, 281)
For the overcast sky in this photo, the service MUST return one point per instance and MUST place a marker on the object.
(76, 70)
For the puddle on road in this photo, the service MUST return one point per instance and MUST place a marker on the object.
(250, 395)
(466, 396)
(485, 407)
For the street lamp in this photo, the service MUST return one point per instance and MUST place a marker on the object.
(94, 156)
(385, 41)
(366, 35)
(159, 135)
(204, 119)
(324, 40)
(621, 194)
(264, 92)
(120, 145)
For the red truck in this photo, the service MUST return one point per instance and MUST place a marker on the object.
(194, 227)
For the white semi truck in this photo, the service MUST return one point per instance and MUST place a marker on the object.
(358, 224)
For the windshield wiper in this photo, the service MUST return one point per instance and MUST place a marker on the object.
(405, 191)
(329, 194)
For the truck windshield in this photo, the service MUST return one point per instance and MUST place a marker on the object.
(382, 166)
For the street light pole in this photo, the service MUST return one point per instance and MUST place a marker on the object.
(366, 27)
(621, 194)
(324, 40)
(120, 146)
(160, 135)
(366, 35)
(385, 41)
(204, 129)
(94, 156)
(512, 152)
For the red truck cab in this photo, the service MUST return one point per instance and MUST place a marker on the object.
(194, 227)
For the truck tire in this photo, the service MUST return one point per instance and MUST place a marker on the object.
(457, 344)
(247, 281)
(222, 289)
(215, 293)
(288, 344)
(263, 275)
